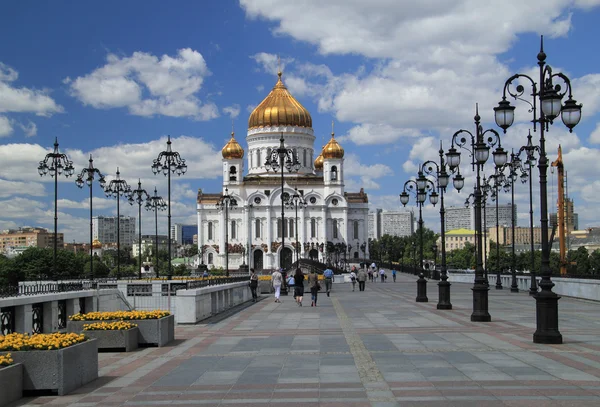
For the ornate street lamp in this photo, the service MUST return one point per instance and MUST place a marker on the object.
(420, 188)
(168, 162)
(117, 188)
(278, 159)
(530, 150)
(156, 203)
(440, 174)
(87, 176)
(549, 97)
(479, 152)
(55, 164)
(225, 203)
(138, 196)
(296, 201)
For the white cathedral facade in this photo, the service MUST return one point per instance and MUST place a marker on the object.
(253, 229)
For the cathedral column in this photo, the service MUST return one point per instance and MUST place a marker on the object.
(345, 217)
(365, 233)
(324, 232)
(248, 232)
(302, 232)
(267, 258)
(222, 239)
(200, 237)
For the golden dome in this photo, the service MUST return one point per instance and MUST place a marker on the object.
(319, 161)
(333, 149)
(96, 244)
(279, 108)
(232, 149)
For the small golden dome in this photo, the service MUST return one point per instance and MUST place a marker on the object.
(279, 108)
(232, 149)
(319, 162)
(96, 244)
(333, 149)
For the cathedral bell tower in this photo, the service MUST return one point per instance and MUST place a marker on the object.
(233, 155)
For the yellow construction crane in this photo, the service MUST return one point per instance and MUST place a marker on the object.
(560, 213)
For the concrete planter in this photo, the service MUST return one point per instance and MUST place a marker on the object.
(157, 332)
(77, 326)
(115, 340)
(265, 287)
(60, 371)
(11, 389)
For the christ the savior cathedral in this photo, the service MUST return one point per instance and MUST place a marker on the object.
(254, 226)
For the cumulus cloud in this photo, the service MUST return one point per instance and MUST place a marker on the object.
(233, 111)
(6, 128)
(366, 173)
(148, 85)
(24, 100)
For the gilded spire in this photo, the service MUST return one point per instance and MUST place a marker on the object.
(232, 149)
(333, 149)
(319, 161)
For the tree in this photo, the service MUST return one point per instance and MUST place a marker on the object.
(462, 258)
(100, 269)
(595, 262)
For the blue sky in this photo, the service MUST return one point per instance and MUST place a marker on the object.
(115, 78)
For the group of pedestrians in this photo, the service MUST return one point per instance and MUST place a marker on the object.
(296, 282)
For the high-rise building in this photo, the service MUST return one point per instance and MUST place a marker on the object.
(183, 234)
(149, 243)
(522, 235)
(571, 218)
(104, 229)
(464, 218)
(28, 237)
(459, 218)
(393, 223)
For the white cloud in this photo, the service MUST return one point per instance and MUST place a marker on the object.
(24, 100)
(6, 128)
(595, 135)
(148, 85)
(9, 188)
(233, 111)
(30, 129)
(271, 63)
(366, 173)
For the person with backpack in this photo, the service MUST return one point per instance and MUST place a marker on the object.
(299, 286)
(313, 284)
(353, 277)
(291, 283)
(328, 274)
(362, 278)
(394, 274)
(253, 285)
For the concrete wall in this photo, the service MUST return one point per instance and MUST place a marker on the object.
(95, 300)
(200, 303)
(569, 287)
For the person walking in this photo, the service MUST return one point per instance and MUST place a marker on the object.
(362, 278)
(353, 277)
(276, 281)
(394, 274)
(291, 283)
(375, 275)
(329, 279)
(299, 286)
(382, 275)
(253, 285)
(313, 284)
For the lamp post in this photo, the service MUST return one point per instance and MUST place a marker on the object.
(168, 162)
(550, 98)
(87, 176)
(363, 248)
(278, 159)
(498, 180)
(156, 203)
(117, 188)
(349, 256)
(530, 151)
(439, 172)
(479, 153)
(296, 201)
(138, 196)
(414, 257)
(56, 163)
(401, 258)
(421, 187)
(515, 165)
(225, 203)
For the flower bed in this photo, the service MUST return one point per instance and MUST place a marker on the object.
(109, 326)
(119, 315)
(155, 327)
(6, 360)
(58, 362)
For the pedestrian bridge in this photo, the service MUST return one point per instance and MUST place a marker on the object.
(372, 348)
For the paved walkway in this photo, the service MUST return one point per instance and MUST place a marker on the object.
(372, 348)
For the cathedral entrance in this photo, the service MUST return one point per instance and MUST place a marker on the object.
(313, 254)
(258, 260)
(286, 254)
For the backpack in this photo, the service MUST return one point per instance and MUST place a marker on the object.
(291, 280)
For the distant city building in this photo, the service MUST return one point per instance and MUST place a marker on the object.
(457, 238)
(77, 247)
(522, 235)
(104, 229)
(393, 223)
(459, 218)
(148, 243)
(183, 234)
(571, 218)
(464, 218)
(16, 240)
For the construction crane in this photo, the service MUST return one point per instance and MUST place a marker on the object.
(560, 213)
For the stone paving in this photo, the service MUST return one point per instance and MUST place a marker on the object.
(374, 348)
